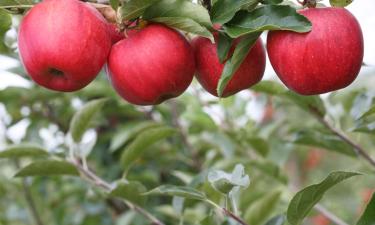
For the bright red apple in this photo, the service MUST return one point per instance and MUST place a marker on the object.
(63, 44)
(115, 33)
(326, 59)
(151, 65)
(209, 68)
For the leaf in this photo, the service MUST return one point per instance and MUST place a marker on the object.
(5, 25)
(307, 103)
(224, 10)
(81, 120)
(368, 216)
(142, 142)
(258, 212)
(340, 3)
(260, 145)
(134, 8)
(323, 140)
(232, 65)
(274, 2)
(267, 17)
(23, 150)
(276, 220)
(223, 46)
(225, 182)
(48, 168)
(114, 4)
(269, 87)
(370, 112)
(304, 200)
(184, 192)
(131, 191)
(181, 14)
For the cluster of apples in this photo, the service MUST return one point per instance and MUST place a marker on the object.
(64, 44)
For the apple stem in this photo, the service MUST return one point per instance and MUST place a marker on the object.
(307, 3)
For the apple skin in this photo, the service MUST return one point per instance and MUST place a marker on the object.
(115, 33)
(326, 59)
(209, 68)
(151, 65)
(63, 44)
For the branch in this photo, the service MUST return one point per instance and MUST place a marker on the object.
(233, 216)
(332, 217)
(207, 4)
(356, 147)
(99, 182)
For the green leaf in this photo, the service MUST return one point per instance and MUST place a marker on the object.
(225, 182)
(267, 17)
(368, 216)
(307, 103)
(179, 191)
(134, 8)
(276, 220)
(260, 145)
(48, 168)
(258, 212)
(273, 2)
(5, 25)
(23, 150)
(142, 142)
(114, 4)
(269, 87)
(81, 120)
(223, 47)
(181, 14)
(304, 200)
(340, 3)
(370, 112)
(239, 55)
(224, 10)
(323, 140)
(131, 191)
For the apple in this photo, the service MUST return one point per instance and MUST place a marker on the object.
(115, 33)
(151, 65)
(209, 68)
(326, 59)
(63, 44)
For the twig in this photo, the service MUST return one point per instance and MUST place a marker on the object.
(332, 217)
(98, 181)
(233, 216)
(356, 147)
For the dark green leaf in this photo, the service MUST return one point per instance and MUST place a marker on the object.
(23, 150)
(114, 4)
(323, 140)
(131, 191)
(276, 220)
(134, 8)
(274, 2)
(268, 17)
(223, 47)
(340, 3)
(224, 10)
(48, 168)
(140, 144)
(258, 212)
(260, 145)
(368, 216)
(81, 120)
(305, 199)
(184, 192)
(239, 55)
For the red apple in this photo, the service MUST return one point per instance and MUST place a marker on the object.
(209, 68)
(115, 33)
(63, 44)
(326, 59)
(151, 65)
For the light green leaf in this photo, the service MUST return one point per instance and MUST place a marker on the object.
(23, 150)
(304, 200)
(224, 10)
(48, 168)
(81, 120)
(267, 17)
(258, 212)
(179, 191)
(239, 55)
(141, 143)
(114, 4)
(134, 8)
(340, 3)
(368, 216)
(269, 87)
(276, 220)
(225, 182)
(5, 25)
(307, 103)
(131, 191)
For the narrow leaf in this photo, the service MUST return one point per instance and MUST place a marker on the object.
(131, 191)
(142, 142)
(223, 46)
(48, 168)
(276, 220)
(368, 216)
(258, 212)
(340, 3)
(184, 192)
(23, 150)
(267, 17)
(304, 200)
(81, 120)
(239, 55)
